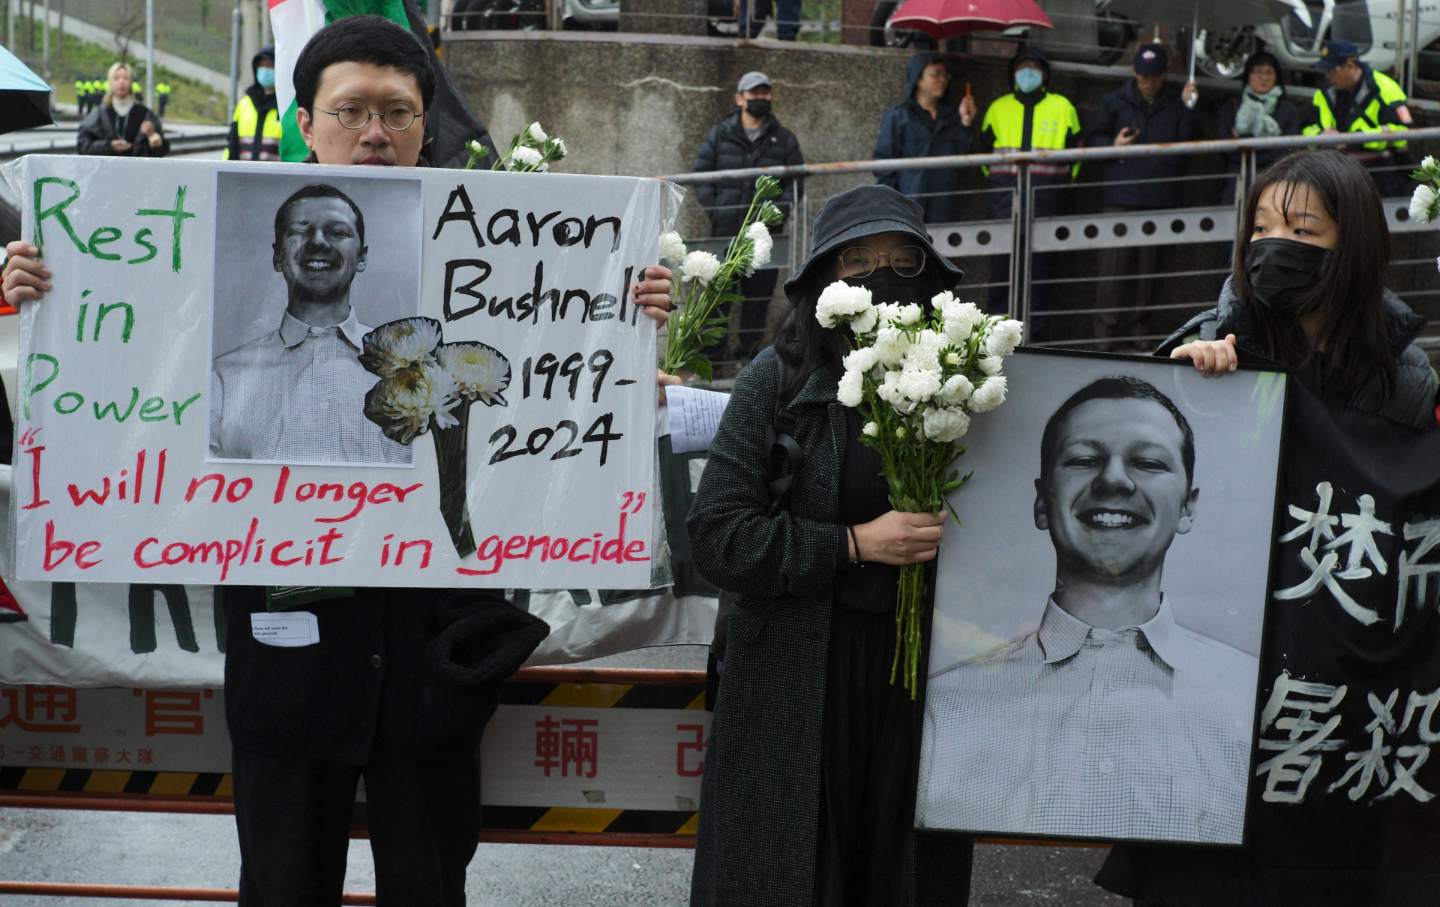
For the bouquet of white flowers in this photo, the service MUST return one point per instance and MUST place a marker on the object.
(917, 375)
(426, 385)
(705, 282)
(1425, 202)
(531, 151)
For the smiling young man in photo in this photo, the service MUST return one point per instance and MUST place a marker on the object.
(1111, 720)
(296, 394)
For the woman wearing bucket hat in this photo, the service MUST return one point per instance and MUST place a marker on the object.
(810, 770)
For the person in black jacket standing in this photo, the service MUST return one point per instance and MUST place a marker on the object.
(928, 123)
(121, 125)
(1145, 110)
(749, 137)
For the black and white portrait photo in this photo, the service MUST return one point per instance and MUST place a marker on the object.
(1099, 610)
(311, 265)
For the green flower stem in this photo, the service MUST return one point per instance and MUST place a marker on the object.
(450, 456)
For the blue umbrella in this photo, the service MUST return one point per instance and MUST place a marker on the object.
(24, 96)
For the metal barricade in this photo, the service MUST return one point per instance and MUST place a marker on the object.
(1088, 233)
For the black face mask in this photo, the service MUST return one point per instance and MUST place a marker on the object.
(759, 108)
(1283, 271)
(887, 286)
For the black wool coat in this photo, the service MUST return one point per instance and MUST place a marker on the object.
(1166, 119)
(102, 125)
(760, 815)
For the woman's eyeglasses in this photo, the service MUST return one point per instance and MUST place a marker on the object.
(861, 261)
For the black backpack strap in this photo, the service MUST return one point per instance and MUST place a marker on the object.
(786, 457)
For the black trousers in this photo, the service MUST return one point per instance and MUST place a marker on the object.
(293, 819)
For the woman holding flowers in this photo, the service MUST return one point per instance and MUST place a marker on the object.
(1306, 294)
(809, 775)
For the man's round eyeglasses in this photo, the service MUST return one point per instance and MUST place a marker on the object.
(396, 119)
(861, 261)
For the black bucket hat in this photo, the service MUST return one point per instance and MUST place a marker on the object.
(866, 211)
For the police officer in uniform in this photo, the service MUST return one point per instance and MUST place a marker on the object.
(1359, 99)
(1028, 118)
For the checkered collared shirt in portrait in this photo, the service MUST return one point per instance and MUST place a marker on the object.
(297, 395)
(1141, 733)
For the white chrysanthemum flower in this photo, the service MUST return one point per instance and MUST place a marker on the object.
(889, 391)
(536, 134)
(480, 371)
(900, 432)
(990, 365)
(865, 322)
(560, 151)
(840, 303)
(759, 234)
(1004, 336)
(956, 390)
(941, 299)
(1423, 203)
(474, 147)
(851, 390)
(888, 312)
(404, 403)
(870, 430)
(861, 360)
(945, 424)
(961, 319)
(672, 247)
(989, 395)
(955, 359)
(523, 157)
(909, 314)
(891, 345)
(1437, 263)
(401, 344)
(919, 384)
(699, 265)
(1428, 162)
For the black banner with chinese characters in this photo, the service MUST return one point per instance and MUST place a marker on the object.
(1344, 783)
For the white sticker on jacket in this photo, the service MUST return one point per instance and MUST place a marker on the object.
(287, 629)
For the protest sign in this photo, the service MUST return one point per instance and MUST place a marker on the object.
(289, 375)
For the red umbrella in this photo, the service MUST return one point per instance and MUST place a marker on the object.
(948, 18)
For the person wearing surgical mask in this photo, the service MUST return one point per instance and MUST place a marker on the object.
(1306, 293)
(1030, 118)
(255, 128)
(751, 136)
(809, 773)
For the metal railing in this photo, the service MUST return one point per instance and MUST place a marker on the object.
(1026, 234)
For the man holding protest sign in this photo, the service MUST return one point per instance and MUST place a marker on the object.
(1134, 725)
(381, 690)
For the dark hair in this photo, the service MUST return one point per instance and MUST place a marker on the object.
(804, 344)
(362, 39)
(1264, 58)
(1116, 387)
(315, 190)
(1350, 291)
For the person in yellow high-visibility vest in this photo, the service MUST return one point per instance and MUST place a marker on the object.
(255, 128)
(1030, 118)
(1359, 99)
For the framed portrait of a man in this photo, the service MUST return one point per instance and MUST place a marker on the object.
(1098, 611)
(294, 297)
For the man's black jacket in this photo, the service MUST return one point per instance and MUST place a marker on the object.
(727, 147)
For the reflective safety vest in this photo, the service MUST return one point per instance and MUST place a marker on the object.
(1376, 92)
(253, 147)
(1047, 126)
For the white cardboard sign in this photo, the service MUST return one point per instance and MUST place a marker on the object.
(295, 374)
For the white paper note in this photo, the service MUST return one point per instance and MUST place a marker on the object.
(694, 417)
(285, 629)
